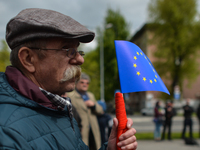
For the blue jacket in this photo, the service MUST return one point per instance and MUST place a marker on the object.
(24, 124)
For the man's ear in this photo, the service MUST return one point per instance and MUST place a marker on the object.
(26, 57)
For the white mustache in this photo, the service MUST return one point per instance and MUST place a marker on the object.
(72, 72)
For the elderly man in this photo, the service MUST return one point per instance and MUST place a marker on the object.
(88, 109)
(45, 64)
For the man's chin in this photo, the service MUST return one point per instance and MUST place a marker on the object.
(70, 86)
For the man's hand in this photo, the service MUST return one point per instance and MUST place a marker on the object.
(126, 141)
(89, 103)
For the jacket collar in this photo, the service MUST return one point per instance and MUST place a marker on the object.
(26, 87)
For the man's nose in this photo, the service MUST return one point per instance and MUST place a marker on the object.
(77, 60)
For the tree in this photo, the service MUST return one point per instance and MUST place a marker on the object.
(176, 32)
(4, 56)
(91, 67)
(119, 30)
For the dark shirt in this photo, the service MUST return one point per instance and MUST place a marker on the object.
(198, 112)
(169, 113)
(188, 110)
(77, 117)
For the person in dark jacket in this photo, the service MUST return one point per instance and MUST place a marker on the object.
(188, 110)
(105, 123)
(45, 63)
(169, 113)
(198, 116)
(75, 113)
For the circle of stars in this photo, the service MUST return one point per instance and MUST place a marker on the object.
(154, 80)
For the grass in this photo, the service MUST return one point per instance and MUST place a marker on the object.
(149, 136)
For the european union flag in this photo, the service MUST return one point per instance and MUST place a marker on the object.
(136, 72)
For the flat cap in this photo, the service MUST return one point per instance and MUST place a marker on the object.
(35, 23)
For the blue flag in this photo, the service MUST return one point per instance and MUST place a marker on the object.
(136, 72)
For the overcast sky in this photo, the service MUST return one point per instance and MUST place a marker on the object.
(90, 13)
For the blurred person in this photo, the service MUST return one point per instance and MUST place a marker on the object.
(45, 64)
(158, 120)
(105, 123)
(188, 110)
(198, 116)
(75, 113)
(170, 112)
(88, 108)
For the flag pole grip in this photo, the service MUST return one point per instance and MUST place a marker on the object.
(120, 115)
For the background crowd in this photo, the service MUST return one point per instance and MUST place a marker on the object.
(164, 118)
(94, 121)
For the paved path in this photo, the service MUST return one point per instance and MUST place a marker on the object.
(146, 124)
(166, 145)
(176, 144)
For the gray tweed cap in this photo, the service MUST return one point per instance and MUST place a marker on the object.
(36, 23)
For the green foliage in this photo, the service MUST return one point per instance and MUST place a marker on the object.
(91, 67)
(118, 30)
(175, 135)
(4, 56)
(176, 34)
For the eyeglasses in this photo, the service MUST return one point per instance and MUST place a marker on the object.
(71, 52)
(84, 82)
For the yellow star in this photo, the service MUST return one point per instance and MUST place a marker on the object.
(145, 57)
(138, 53)
(134, 65)
(141, 53)
(138, 73)
(156, 76)
(155, 80)
(151, 81)
(153, 70)
(144, 79)
(135, 57)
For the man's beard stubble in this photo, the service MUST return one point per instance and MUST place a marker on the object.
(70, 73)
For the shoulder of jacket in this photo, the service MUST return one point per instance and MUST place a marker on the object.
(73, 94)
(90, 93)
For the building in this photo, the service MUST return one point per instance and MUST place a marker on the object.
(141, 39)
